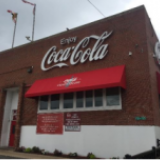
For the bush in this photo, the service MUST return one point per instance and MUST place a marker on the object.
(73, 154)
(36, 149)
(91, 156)
(57, 153)
(28, 150)
(43, 151)
(21, 149)
(47, 152)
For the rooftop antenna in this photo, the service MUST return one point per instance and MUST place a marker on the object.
(28, 38)
(34, 12)
(96, 8)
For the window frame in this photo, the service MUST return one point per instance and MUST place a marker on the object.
(75, 109)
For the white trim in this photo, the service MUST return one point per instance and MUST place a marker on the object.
(11, 103)
(84, 100)
(60, 102)
(49, 104)
(74, 102)
(74, 109)
(93, 99)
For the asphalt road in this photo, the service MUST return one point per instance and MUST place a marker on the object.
(6, 157)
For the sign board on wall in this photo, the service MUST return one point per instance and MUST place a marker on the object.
(72, 122)
(50, 123)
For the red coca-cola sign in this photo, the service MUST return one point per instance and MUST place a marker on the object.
(51, 123)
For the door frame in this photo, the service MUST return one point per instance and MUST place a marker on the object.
(11, 135)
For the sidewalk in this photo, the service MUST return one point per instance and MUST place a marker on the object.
(11, 153)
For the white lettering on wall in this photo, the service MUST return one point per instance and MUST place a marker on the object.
(68, 41)
(99, 51)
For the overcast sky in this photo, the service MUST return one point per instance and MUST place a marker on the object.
(54, 16)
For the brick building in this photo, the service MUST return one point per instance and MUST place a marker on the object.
(97, 82)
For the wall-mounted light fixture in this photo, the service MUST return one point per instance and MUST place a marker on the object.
(30, 69)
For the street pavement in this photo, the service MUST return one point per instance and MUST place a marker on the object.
(6, 157)
(9, 153)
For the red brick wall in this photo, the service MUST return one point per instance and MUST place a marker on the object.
(154, 67)
(2, 103)
(129, 29)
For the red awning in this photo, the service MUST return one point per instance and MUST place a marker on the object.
(97, 79)
(158, 82)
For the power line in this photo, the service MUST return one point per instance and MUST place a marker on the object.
(96, 8)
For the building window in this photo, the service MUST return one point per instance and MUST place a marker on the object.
(89, 98)
(43, 103)
(68, 100)
(55, 101)
(98, 97)
(79, 99)
(112, 96)
(92, 100)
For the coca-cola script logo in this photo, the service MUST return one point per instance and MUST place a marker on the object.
(76, 55)
(68, 82)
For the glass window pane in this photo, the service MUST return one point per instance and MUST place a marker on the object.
(98, 97)
(43, 103)
(68, 100)
(79, 99)
(112, 96)
(89, 98)
(55, 101)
